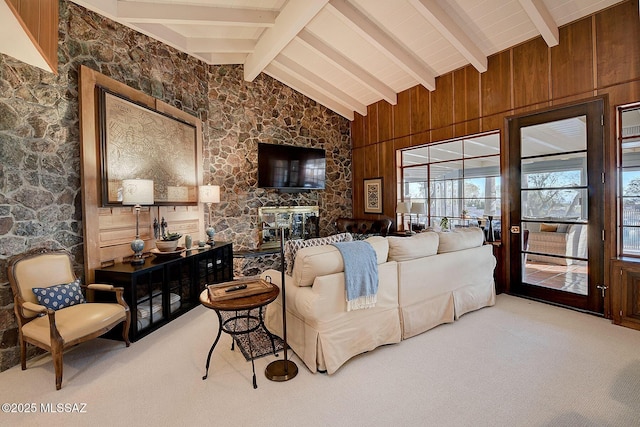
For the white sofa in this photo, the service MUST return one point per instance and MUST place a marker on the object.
(424, 281)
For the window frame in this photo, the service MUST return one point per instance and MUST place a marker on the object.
(455, 201)
(620, 220)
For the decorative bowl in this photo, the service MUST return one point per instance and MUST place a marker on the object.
(166, 245)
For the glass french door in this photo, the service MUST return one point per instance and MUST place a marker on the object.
(556, 188)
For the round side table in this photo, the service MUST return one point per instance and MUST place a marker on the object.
(239, 323)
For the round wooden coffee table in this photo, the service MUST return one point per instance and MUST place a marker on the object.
(240, 323)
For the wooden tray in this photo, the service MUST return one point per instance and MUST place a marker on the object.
(254, 287)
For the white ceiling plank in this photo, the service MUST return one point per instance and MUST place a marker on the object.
(164, 34)
(320, 84)
(542, 19)
(218, 45)
(108, 8)
(293, 18)
(348, 66)
(214, 58)
(187, 13)
(452, 32)
(381, 40)
(281, 74)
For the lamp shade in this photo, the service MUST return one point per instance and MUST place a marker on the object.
(403, 207)
(137, 192)
(418, 208)
(209, 193)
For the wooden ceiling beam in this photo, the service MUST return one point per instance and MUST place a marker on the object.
(542, 19)
(291, 20)
(452, 32)
(378, 38)
(355, 71)
(320, 84)
(283, 75)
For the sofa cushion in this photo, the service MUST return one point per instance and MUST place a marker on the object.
(417, 246)
(291, 247)
(460, 239)
(315, 261)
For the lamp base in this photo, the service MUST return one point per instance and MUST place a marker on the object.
(281, 370)
(137, 261)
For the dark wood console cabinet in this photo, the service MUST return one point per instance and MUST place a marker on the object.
(162, 289)
(625, 292)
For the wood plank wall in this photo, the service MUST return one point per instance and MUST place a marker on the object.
(39, 19)
(597, 55)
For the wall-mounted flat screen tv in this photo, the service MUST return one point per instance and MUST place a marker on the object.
(289, 167)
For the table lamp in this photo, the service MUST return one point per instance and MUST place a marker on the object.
(403, 208)
(209, 194)
(137, 192)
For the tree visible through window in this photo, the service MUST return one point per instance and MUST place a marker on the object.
(458, 179)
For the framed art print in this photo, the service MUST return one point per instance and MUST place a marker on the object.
(373, 195)
(138, 142)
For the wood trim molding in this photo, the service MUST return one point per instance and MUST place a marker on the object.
(108, 231)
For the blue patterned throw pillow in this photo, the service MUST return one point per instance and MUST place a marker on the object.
(60, 296)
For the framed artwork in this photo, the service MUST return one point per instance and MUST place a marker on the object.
(373, 195)
(138, 142)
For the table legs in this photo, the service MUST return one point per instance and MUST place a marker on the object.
(214, 345)
(247, 331)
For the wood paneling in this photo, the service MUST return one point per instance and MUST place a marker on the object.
(496, 84)
(494, 122)
(466, 101)
(442, 103)
(402, 115)
(385, 121)
(371, 159)
(420, 105)
(40, 21)
(459, 102)
(530, 73)
(572, 61)
(525, 78)
(388, 172)
(372, 124)
(358, 131)
(618, 44)
(357, 162)
(472, 93)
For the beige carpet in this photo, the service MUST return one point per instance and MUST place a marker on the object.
(520, 363)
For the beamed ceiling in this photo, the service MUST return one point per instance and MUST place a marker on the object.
(347, 54)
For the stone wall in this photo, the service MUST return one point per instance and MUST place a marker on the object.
(40, 149)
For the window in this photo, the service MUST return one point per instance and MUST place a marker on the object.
(629, 180)
(458, 179)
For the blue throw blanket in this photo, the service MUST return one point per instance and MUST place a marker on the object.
(360, 274)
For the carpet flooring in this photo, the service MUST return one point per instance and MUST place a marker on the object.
(257, 343)
(519, 363)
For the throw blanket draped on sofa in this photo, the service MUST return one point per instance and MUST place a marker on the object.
(360, 274)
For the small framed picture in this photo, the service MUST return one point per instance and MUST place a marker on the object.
(373, 195)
